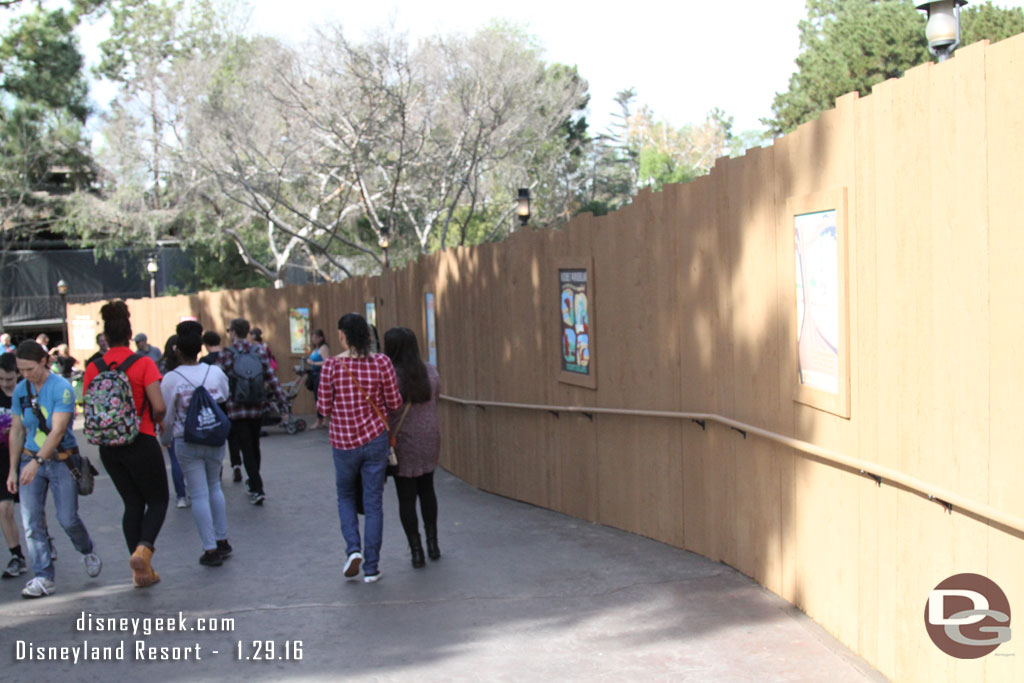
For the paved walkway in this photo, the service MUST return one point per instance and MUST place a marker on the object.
(520, 594)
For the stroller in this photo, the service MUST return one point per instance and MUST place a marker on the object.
(272, 413)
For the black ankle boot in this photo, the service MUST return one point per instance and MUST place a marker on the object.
(433, 551)
(416, 548)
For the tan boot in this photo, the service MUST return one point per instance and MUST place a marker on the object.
(143, 574)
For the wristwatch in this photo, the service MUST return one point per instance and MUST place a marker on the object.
(37, 459)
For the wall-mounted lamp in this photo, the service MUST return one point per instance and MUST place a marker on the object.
(523, 206)
(385, 242)
(943, 28)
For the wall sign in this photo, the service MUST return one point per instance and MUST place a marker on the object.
(431, 329)
(576, 316)
(298, 329)
(822, 306)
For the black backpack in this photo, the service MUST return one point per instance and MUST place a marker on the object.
(205, 422)
(246, 378)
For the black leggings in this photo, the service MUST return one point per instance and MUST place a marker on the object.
(140, 476)
(409, 488)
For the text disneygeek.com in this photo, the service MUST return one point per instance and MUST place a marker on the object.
(139, 650)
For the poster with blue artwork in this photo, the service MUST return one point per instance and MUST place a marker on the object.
(575, 307)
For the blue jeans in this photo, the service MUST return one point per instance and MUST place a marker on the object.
(177, 476)
(55, 476)
(201, 465)
(369, 460)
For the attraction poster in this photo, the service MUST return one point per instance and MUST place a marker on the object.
(371, 313)
(431, 330)
(298, 329)
(574, 304)
(817, 300)
(83, 333)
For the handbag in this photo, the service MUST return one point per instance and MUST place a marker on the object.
(392, 436)
(392, 470)
(81, 469)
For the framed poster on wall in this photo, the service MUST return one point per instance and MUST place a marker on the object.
(298, 329)
(83, 333)
(371, 313)
(822, 344)
(576, 322)
(431, 316)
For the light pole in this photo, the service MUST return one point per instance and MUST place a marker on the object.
(62, 289)
(943, 28)
(152, 266)
(523, 206)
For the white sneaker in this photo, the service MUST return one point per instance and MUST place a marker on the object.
(93, 564)
(371, 578)
(184, 502)
(38, 587)
(352, 565)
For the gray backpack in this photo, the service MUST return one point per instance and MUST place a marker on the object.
(246, 379)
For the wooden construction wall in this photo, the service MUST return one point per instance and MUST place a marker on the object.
(694, 310)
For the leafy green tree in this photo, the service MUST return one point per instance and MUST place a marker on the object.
(845, 46)
(612, 162)
(44, 152)
(852, 45)
(988, 22)
(667, 154)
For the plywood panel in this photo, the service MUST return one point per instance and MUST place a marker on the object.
(1005, 149)
(865, 342)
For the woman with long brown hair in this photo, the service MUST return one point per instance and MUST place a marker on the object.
(418, 431)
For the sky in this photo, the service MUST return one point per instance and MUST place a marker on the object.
(683, 58)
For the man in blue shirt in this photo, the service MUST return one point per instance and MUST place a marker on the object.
(43, 448)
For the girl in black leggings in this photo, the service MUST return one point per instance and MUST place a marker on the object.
(137, 469)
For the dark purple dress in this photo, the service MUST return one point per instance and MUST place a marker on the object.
(419, 439)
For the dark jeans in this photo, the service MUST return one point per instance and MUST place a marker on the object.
(410, 488)
(140, 477)
(244, 438)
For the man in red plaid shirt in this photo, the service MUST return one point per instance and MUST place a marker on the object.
(246, 419)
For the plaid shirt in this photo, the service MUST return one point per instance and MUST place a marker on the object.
(226, 360)
(352, 421)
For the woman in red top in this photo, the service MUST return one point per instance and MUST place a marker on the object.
(357, 390)
(137, 469)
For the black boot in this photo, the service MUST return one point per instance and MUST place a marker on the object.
(433, 551)
(416, 548)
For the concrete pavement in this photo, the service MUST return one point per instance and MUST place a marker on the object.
(521, 593)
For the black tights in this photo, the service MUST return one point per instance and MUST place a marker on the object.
(139, 474)
(408, 489)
